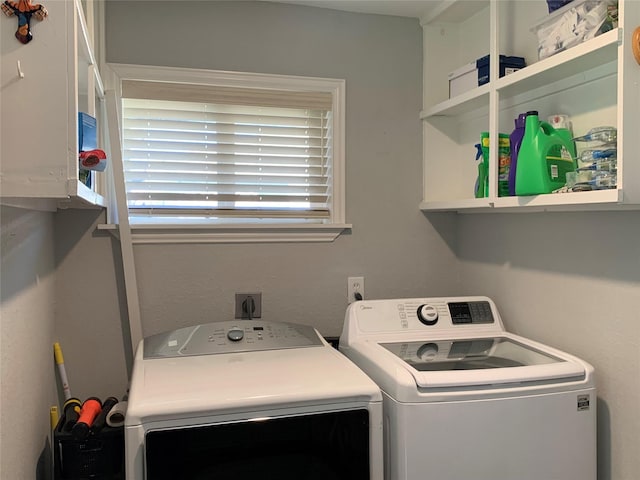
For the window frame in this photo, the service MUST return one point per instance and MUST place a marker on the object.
(268, 231)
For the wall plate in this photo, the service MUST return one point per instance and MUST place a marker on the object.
(241, 312)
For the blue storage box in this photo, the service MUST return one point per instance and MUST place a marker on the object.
(86, 132)
(556, 4)
(507, 65)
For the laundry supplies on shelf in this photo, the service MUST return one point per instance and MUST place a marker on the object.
(597, 162)
(573, 24)
(476, 73)
(504, 162)
(544, 158)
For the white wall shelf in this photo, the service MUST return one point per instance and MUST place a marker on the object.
(595, 83)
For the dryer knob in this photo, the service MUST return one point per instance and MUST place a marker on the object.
(235, 334)
(427, 314)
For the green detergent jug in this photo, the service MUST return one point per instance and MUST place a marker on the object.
(544, 158)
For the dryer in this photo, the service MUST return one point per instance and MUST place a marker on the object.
(463, 398)
(250, 399)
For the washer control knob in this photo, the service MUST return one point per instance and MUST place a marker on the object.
(427, 314)
(235, 334)
(428, 352)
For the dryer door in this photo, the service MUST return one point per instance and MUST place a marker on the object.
(317, 446)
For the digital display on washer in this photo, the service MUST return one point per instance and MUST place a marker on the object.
(468, 354)
(470, 312)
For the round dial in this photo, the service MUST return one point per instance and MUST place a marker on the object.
(235, 334)
(427, 351)
(427, 314)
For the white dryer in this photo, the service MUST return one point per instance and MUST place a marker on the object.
(250, 399)
(463, 398)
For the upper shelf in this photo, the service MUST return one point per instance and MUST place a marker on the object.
(558, 202)
(581, 58)
(453, 11)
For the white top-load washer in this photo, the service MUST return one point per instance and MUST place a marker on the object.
(250, 399)
(463, 398)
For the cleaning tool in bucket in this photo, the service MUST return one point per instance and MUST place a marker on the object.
(544, 159)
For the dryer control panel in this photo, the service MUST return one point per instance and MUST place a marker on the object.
(230, 337)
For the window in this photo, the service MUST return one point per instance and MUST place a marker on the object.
(222, 149)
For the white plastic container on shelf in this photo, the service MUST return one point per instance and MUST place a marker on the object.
(463, 79)
(573, 24)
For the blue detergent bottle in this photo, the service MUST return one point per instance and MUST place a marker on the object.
(480, 189)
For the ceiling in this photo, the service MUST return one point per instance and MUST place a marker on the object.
(402, 8)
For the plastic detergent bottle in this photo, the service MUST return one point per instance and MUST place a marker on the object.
(504, 164)
(504, 157)
(515, 139)
(480, 189)
(544, 159)
(483, 167)
(563, 126)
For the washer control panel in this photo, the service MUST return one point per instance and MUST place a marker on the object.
(419, 315)
(230, 337)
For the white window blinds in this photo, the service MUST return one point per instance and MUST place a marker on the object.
(226, 154)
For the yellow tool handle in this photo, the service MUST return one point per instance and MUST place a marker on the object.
(57, 351)
(53, 413)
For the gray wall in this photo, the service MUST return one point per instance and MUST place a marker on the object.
(91, 312)
(391, 244)
(579, 293)
(27, 326)
(570, 280)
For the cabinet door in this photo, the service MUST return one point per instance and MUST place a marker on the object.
(36, 108)
(40, 109)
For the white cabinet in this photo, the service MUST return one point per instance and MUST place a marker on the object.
(596, 83)
(39, 147)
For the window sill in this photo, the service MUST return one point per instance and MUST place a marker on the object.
(276, 233)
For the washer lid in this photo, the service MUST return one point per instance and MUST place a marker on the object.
(481, 361)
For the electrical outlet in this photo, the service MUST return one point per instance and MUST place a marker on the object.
(355, 285)
(246, 300)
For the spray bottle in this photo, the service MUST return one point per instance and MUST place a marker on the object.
(482, 182)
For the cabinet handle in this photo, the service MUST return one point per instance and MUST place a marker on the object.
(635, 44)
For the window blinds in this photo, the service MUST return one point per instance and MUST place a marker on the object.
(200, 151)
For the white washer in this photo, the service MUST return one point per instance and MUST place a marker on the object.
(250, 399)
(463, 398)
